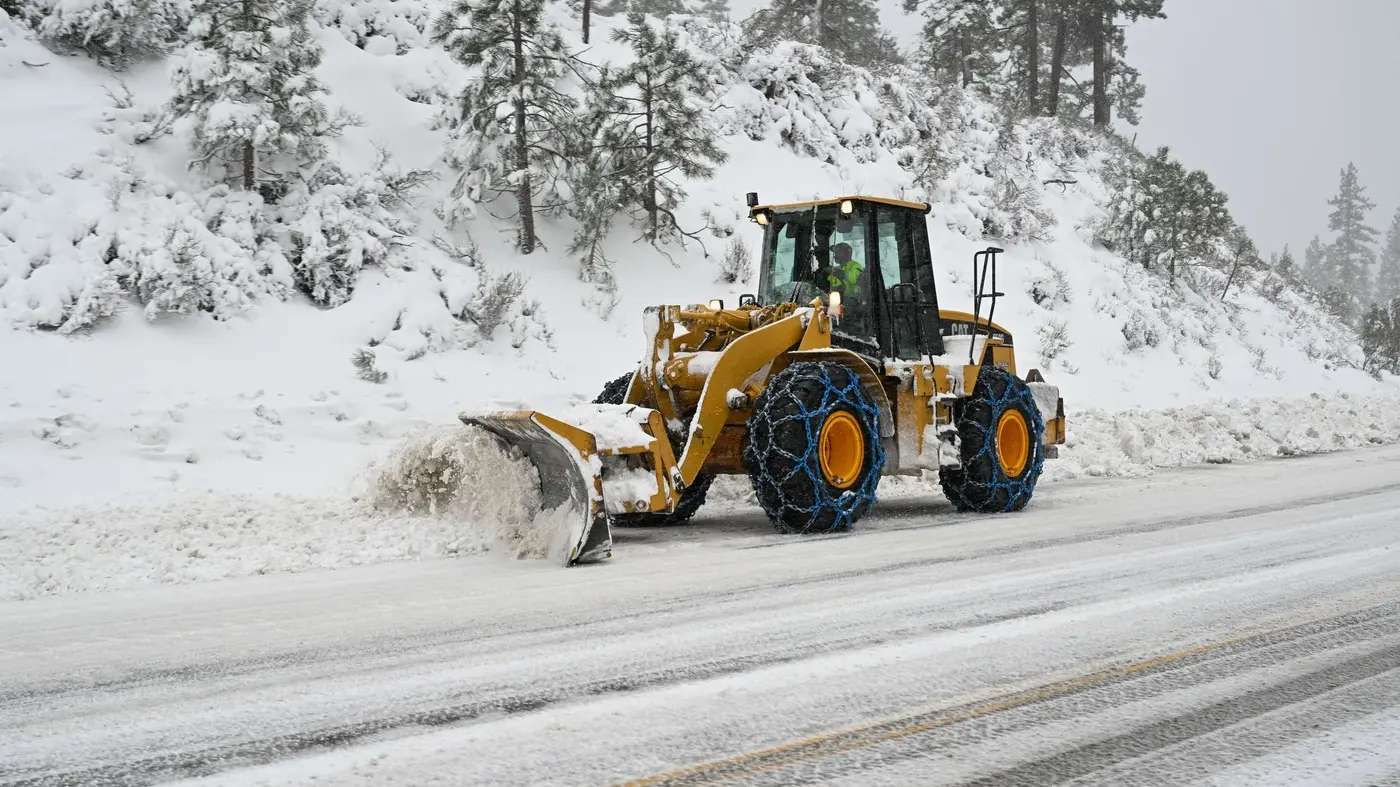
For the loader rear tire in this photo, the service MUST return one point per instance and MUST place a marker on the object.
(1000, 434)
(814, 453)
(615, 392)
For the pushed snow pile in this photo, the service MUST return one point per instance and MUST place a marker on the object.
(456, 470)
(439, 493)
(463, 474)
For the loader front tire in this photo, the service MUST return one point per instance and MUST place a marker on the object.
(814, 454)
(615, 392)
(1000, 434)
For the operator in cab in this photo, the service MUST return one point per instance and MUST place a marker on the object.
(844, 272)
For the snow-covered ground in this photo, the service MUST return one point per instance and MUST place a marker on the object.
(1230, 625)
(179, 448)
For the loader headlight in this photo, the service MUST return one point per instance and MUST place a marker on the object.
(847, 207)
(761, 217)
(717, 305)
(833, 304)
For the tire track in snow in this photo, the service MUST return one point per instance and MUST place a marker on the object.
(389, 643)
(207, 761)
(922, 734)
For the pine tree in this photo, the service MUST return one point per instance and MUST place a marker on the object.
(247, 81)
(1380, 336)
(1315, 266)
(1242, 255)
(1162, 215)
(1066, 48)
(652, 128)
(849, 29)
(957, 39)
(1018, 25)
(1286, 266)
(1388, 276)
(1114, 82)
(510, 127)
(1351, 254)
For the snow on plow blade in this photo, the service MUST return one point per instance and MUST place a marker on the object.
(568, 452)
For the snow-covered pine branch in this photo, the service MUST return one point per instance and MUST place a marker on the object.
(115, 33)
(377, 26)
(340, 222)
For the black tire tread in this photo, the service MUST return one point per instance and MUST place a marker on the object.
(980, 484)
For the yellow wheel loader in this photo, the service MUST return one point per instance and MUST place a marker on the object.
(841, 369)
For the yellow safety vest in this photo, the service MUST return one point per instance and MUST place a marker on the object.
(852, 270)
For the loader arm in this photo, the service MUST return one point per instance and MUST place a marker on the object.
(745, 356)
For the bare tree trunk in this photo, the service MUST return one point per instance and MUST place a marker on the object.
(250, 167)
(250, 156)
(818, 34)
(649, 204)
(963, 58)
(524, 197)
(1057, 60)
(1233, 270)
(1033, 55)
(1100, 33)
(587, 17)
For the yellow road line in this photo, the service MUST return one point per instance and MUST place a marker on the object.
(861, 737)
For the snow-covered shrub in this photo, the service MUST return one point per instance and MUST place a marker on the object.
(1050, 288)
(528, 325)
(433, 79)
(116, 33)
(1018, 213)
(213, 254)
(1380, 337)
(1054, 339)
(67, 261)
(132, 124)
(737, 265)
(1139, 332)
(340, 222)
(363, 361)
(25, 12)
(377, 26)
(487, 306)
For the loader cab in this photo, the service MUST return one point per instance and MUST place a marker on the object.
(871, 253)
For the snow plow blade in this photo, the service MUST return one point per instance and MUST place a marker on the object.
(570, 452)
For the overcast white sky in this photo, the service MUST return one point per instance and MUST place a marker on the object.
(1272, 98)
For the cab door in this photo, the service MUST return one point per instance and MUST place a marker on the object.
(910, 327)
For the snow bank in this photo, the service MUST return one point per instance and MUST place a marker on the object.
(1138, 442)
(439, 493)
(1135, 443)
(454, 491)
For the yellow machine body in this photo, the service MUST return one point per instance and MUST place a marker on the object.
(695, 390)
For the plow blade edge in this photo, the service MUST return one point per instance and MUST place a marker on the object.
(570, 474)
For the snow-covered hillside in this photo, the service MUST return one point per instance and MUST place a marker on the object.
(110, 395)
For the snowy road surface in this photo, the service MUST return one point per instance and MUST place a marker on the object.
(1234, 625)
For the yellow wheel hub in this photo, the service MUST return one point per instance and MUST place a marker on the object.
(1013, 443)
(841, 449)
